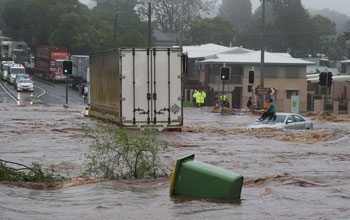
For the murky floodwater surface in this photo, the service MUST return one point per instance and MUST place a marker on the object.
(288, 174)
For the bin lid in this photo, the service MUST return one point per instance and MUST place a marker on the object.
(175, 171)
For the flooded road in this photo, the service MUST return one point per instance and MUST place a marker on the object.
(288, 174)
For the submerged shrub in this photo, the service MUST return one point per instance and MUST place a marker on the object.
(114, 153)
(33, 173)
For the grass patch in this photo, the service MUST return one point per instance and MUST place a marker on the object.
(188, 104)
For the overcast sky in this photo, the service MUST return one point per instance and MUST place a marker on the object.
(342, 6)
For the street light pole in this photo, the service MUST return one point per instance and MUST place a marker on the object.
(149, 25)
(115, 29)
(262, 61)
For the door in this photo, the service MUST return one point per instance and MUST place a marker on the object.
(151, 86)
(300, 123)
(291, 124)
(294, 105)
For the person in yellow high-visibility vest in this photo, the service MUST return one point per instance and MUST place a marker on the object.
(223, 97)
(224, 101)
(201, 98)
(195, 97)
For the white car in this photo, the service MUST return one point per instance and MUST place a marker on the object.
(25, 85)
(284, 121)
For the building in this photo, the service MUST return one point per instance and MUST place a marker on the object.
(283, 74)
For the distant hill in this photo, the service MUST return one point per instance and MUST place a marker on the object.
(340, 19)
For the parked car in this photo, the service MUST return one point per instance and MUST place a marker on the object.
(24, 85)
(285, 121)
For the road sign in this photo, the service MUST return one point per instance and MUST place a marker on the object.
(265, 91)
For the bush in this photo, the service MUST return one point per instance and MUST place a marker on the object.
(114, 154)
(35, 173)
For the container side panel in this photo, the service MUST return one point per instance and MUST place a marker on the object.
(105, 86)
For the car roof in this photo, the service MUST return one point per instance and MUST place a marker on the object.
(286, 113)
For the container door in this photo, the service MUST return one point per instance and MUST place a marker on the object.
(151, 86)
(167, 85)
(135, 78)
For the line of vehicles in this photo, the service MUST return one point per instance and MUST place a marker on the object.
(45, 63)
(48, 64)
(15, 74)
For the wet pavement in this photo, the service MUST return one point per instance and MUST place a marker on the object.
(285, 177)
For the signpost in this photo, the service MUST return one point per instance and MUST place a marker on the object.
(265, 91)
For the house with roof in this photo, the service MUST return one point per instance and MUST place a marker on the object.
(334, 98)
(282, 73)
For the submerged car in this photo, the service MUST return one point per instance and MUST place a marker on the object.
(284, 121)
(25, 85)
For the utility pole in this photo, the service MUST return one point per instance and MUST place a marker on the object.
(149, 25)
(262, 61)
(181, 21)
(115, 29)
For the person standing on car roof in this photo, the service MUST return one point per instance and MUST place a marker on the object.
(194, 97)
(270, 112)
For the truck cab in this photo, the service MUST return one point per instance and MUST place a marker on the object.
(56, 60)
(13, 71)
(6, 50)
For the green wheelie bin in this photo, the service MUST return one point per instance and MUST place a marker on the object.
(194, 178)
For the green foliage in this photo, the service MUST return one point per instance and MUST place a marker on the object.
(116, 154)
(167, 13)
(35, 173)
(290, 28)
(70, 24)
(210, 30)
(188, 104)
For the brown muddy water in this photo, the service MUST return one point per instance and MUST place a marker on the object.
(288, 174)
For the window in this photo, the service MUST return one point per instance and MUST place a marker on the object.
(291, 117)
(290, 93)
(280, 118)
(298, 118)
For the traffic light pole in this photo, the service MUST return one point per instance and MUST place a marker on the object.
(67, 77)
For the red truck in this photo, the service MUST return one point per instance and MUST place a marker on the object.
(45, 65)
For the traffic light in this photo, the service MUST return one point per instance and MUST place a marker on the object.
(323, 79)
(67, 67)
(249, 88)
(251, 77)
(225, 73)
(329, 79)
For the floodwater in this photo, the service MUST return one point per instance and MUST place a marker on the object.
(288, 174)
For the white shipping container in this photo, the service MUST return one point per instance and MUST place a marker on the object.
(138, 87)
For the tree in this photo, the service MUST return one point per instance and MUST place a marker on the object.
(2, 22)
(210, 30)
(126, 18)
(290, 28)
(167, 13)
(237, 12)
(323, 34)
